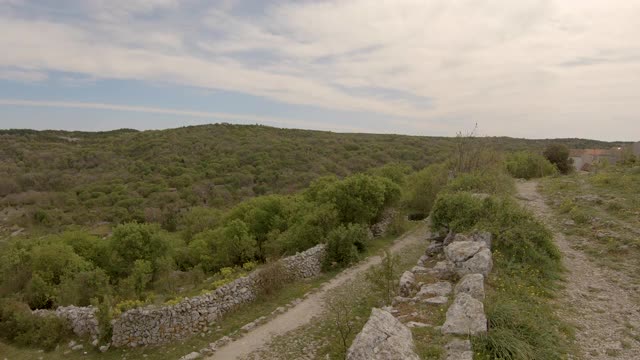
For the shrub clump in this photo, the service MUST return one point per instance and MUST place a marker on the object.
(20, 326)
(344, 245)
(457, 211)
(558, 155)
(272, 278)
(528, 165)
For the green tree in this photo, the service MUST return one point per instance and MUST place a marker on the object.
(423, 188)
(223, 247)
(528, 165)
(39, 294)
(309, 226)
(53, 260)
(558, 155)
(133, 241)
(198, 219)
(236, 245)
(263, 215)
(80, 288)
(140, 278)
(344, 243)
(359, 198)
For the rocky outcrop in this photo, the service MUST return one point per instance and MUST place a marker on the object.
(442, 288)
(461, 251)
(458, 349)
(465, 317)
(383, 338)
(443, 270)
(407, 283)
(480, 263)
(380, 228)
(469, 254)
(472, 284)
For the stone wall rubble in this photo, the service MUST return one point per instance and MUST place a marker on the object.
(455, 265)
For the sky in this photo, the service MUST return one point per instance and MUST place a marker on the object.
(525, 68)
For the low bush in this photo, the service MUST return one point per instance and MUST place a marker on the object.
(271, 278)
(458, 211)
(423, 188)
(399, 224)
(344, 244)
(518, 235)
(528, 165)
(491, 181)
(18, 325)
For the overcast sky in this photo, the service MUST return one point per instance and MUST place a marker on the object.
(524, 68)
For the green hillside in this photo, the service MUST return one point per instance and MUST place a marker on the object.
(52, 179)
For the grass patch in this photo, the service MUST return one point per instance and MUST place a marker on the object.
(605, 210)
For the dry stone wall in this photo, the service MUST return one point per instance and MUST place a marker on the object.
(159, 325)
(82, 320)
(153, 325)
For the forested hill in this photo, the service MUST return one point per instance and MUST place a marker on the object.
(50, 179)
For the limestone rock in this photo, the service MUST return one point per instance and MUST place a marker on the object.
(433, 248)
(441, 288)
(443, 270)
(472, 284)
(480, 263)
(465, 317)
(415, 324)
(383, 338)
(438, 300)
(460, 251)
(459, 350)
(401, 299)
(407, 282)
(423, 260)
(449, 238)
(419, 270)
(193, 356)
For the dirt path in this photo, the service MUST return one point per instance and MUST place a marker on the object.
(312, 306)
(607, 319)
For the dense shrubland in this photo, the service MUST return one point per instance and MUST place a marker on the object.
(191, 209)
(50, 180)
(75, 267)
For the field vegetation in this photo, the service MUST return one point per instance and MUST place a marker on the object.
(124, 219)
(600, 213)
(522, 323)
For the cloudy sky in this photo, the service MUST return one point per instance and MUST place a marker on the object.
(525, 68)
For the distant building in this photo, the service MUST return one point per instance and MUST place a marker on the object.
(584, 159)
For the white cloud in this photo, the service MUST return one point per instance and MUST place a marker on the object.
(22, 75)
(523, 67)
